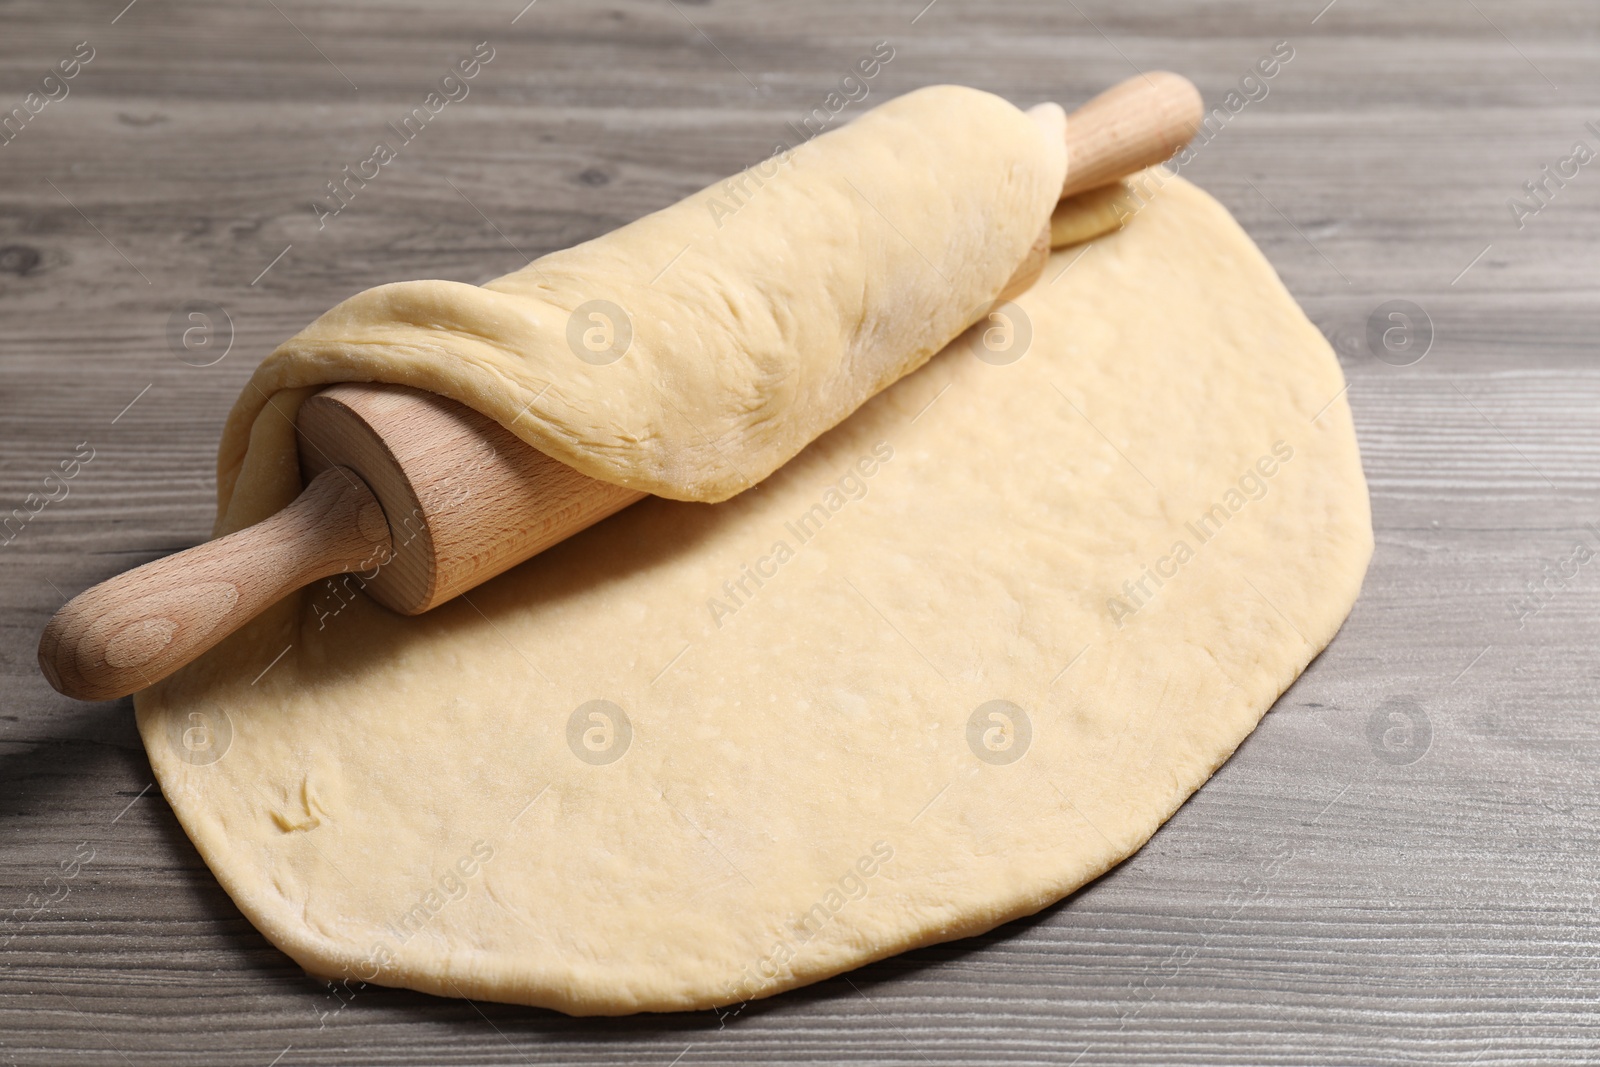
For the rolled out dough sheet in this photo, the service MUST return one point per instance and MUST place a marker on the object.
(963, 654)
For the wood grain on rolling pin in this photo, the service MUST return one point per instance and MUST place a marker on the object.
(147, 622)
(465, 497)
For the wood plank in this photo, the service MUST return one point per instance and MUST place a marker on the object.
(1435, 912)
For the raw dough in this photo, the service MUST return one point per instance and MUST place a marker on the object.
(809, 770)
(1089, 214)
(663, 356)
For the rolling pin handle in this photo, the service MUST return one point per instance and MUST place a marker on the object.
(1132, 125)
(135, 629)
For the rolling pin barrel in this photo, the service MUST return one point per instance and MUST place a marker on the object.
(465, 498)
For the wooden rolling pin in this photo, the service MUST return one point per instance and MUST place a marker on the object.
(421, 498)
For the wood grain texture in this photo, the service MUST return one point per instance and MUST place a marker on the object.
(1132, 125)
(1440, 911)
(132, 630)
(465, 499)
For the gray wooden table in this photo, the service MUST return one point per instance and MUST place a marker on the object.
(1430, 777)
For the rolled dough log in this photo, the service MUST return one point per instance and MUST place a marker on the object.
(691, 353)
(962, 655)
